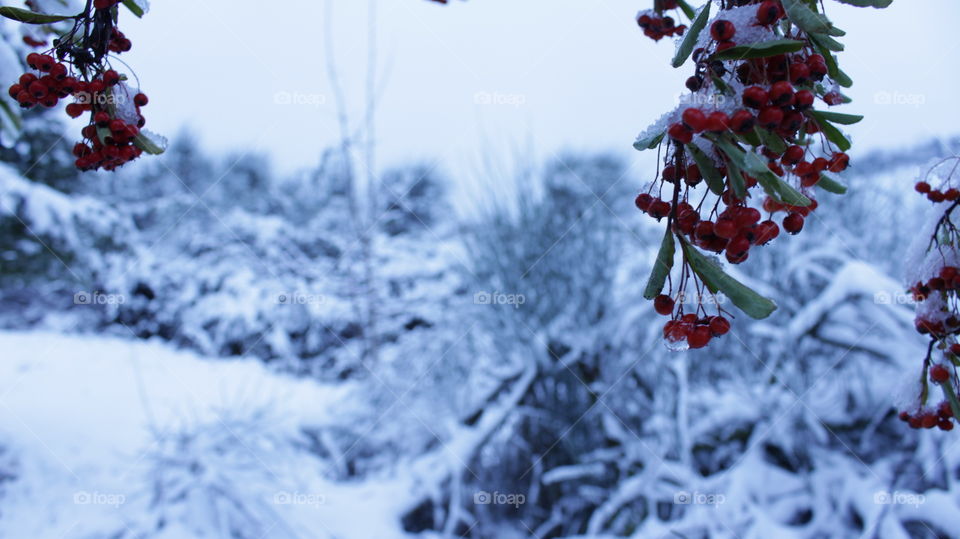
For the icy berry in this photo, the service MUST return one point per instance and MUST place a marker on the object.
(722, 30)
(680, 133)
(699, 337)
(695, 119)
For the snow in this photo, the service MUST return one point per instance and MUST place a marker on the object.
(82, 415)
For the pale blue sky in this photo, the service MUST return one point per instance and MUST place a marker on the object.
(564, 74)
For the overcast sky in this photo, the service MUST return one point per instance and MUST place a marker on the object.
(490, 75)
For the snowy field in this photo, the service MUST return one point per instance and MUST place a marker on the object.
(88, 422)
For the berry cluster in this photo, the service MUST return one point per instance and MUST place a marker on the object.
(936, 289)
(78, 67)
(754, 126)
(657, 27)
(933, 195)
(926, 418)
(696, 332)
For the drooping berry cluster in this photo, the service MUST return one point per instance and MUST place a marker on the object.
(78, 66)
(656, 25)
(935, 278)
(933, 195)
(696, 332)
(749, 123)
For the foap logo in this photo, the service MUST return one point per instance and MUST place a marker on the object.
(483, 497)
(302, 99)
(98, 298)
(900, 98)
(300, 298)
(898, 298)
(299, 498)
(498, 98)
(698, 498)
(701, 100)
(84, 497)
(885, 497)
(102, 99)
(499, 298)
(700, 299)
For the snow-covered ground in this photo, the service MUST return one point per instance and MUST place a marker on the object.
(84, 422)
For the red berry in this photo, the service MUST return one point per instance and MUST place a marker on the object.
(45, 63)
(939, 374)
(799, 72)
(694, 176)
(659, 209)
(74, 110)
(719, 326)
(766, 232)
(944, 409)
(717, 122)
(922, 187)
(793, 155)
(102, 119)
(781, 93)
(742, 122)
(722, 30)
(769, 12)
(699, 337)
(140, 100)
(738, 245)
(111, 78)
(945, 424)
(643, 201)
(725, 228)
(663, 304)
(839, 162)
(755, 97)
(15, 90)
(695, 119)
(680, 133)
(771, 117)
(793, 223)
(804, 99)
(955, 349)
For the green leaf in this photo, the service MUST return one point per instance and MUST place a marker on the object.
(707, 169)
(805, 18)
(662, 267)
(834, 135)
(650, 142)
(771, 183)
(690, 38)
(760, 50)
(134, 7)
(712, 275)
(952, 397)
(14, 117)
(146, 142)
(830, 185)
(835, 117)
(827, 42)
(867, 3)
(750, 138)
(29, 17)
(734, 159)
(772, 140)
(687, 9)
